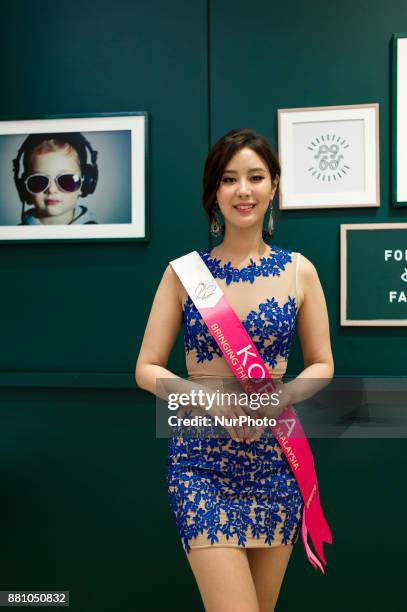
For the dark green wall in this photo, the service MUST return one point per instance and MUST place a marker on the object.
(298, 54)
(81, 308)
(82, 475)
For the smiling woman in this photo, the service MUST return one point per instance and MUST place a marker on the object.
(246, 189)
(236, 499)
(233, 172)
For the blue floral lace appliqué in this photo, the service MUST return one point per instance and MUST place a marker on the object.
(271, 329)
(271, 326)
(272, 265)
(231, 490)
(273, 322)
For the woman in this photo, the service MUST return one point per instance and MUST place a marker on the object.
(235, 499)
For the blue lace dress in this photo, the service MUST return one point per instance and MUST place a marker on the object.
(222, 492)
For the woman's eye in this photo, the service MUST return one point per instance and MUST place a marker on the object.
(257, 178)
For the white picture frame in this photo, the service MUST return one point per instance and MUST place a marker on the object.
(329, 157)
(399, 120)
(115, 164)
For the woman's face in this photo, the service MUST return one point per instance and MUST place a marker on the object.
(245, 190)
(52, 202)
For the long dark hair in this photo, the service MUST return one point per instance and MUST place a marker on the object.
(220, 155)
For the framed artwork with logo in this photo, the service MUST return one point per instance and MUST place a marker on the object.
(74, 178)
(329, 156)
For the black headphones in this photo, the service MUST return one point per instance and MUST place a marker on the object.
(81, 145)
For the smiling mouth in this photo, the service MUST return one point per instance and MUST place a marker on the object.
(244, 206)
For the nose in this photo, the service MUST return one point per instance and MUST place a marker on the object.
(243, 188)
(52, 186)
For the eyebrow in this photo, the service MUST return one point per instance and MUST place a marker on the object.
(251, 170)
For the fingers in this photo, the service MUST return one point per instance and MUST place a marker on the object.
(246, 432)
(235, 422)
(229, 424)
(234, 433)
(237, 430)
(243, 430)
(256, 433)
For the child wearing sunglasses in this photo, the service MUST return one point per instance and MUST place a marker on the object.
(52, 181)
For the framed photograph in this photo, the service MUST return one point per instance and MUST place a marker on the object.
(74, 177)
(374, 274)
(399, 119)
(329, 156)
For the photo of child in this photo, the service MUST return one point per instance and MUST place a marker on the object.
(56, 173)
(74, 178)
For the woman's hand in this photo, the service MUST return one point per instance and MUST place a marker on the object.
(228, 410)
(279, 399)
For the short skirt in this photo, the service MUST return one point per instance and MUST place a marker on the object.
(236, 494)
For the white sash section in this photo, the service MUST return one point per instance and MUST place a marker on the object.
(197, 280)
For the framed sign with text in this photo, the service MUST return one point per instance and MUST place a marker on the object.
(374, 274)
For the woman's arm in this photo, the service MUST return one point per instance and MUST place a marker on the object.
(313, 331)
(313, 324)
(161, 331)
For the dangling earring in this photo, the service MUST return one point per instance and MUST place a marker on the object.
(270, 225)
(216, 225)
(216, 228)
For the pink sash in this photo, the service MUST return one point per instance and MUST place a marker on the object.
(246, 364)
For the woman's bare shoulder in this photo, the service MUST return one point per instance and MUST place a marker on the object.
(171, 278)
(171, 283)
(307, 276)
(306, 270)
